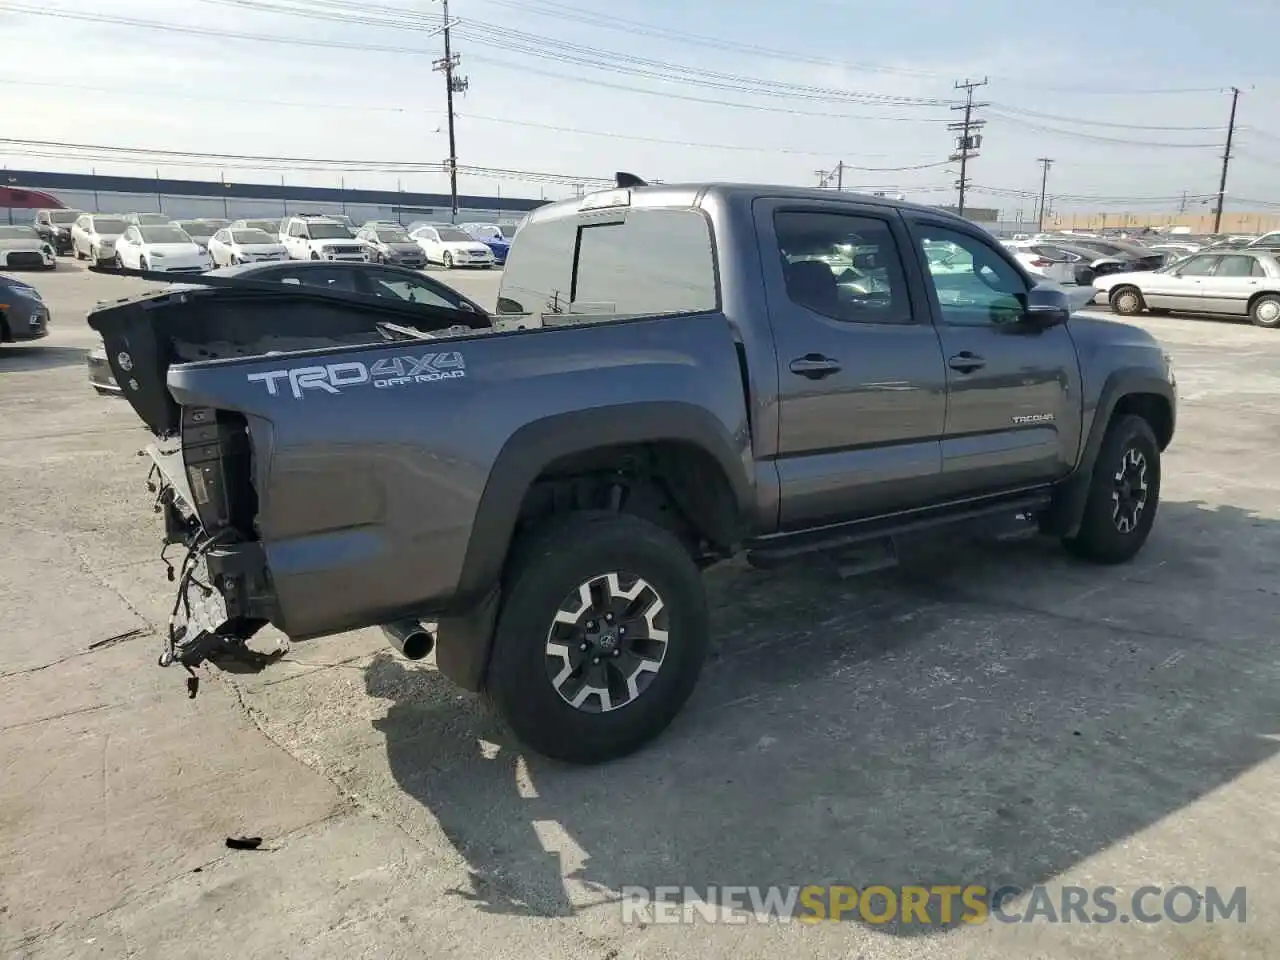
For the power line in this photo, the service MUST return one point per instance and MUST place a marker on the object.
(968, 142)
(1005, 108)
(561, 51)
(1096, 138)
(1226, 161)
(562, 11)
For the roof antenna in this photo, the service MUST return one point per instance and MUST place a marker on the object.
(628, 180)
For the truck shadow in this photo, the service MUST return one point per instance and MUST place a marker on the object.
(990, 715)
(25, 357)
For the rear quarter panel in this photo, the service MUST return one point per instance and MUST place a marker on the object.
(369, 495)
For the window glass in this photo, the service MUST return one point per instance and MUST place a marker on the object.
(539, 268)
(842, 266)
(393, 285)
(975, 285)
(1235, 267)
(331, 278)
(656, 262)
(1257, 269)
(1198, 266)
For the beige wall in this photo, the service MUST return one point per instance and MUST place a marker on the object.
(1198, 222)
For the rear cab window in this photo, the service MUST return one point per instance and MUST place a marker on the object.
(611, 264)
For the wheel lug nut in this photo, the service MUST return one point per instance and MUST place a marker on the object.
(622, 631)
(591, 624)
(583, 647)
(617, 653)
(609, 617)
(595, 659)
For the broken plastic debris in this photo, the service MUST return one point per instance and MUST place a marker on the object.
(244, 843)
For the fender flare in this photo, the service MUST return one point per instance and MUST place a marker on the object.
(1069, 500)
(529, 451)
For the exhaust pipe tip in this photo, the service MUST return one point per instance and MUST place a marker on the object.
(410, 638)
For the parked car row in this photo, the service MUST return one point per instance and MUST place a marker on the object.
(149, 241)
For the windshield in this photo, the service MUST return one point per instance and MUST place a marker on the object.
(167, 234)
(18, 233)
(270, 226)
(157, 219)
(65, 216)
(109, 225)
(251, 236)
(201, 230)
(453, 235)
(393, 234)
(328, 231)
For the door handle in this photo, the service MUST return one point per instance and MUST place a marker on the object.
(966, 362)
(815, 366)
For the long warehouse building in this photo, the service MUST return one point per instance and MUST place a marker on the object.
(22, 191)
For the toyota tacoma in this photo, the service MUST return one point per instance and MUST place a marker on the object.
(674, 375)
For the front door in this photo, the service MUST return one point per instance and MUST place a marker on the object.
(861, 379)
(1013, 390)
(1181, 287)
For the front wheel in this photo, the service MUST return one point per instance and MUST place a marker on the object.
(1126, 301)
(1265, 311)
(447, 260)
(602, 635)
(142, 264)
(118, 263)
(1124, 493)
(315, 256)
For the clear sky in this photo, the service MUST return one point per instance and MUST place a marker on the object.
(1130, 99)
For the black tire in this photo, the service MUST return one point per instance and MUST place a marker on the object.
(446, 260)
(1102, 537)
(545, 571)
(1127, 301)
(314, 255)
(1265, 311)
(117, 263)
(142, 264)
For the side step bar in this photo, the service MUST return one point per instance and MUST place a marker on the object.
(872, 543)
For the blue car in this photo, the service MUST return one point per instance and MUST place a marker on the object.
(492, 236)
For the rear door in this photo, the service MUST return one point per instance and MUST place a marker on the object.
(1013, 390)
(1236, 278)
(862, 385)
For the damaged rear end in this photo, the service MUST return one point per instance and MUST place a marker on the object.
(211, 454)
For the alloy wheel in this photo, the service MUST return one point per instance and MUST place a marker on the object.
(1129, 492)
(607, 642)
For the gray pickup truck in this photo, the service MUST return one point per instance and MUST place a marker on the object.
(674, 375)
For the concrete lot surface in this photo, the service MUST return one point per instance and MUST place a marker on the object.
(996, 714)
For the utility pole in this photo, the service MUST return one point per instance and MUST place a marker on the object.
(826, 176)
(1182, 207)
(452, 84)
(969, 141)
(1046, 163)
(1226, 161)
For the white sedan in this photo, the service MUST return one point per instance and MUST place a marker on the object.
(1240, 283)
(452, 247)
(232, 245)
(165, 249)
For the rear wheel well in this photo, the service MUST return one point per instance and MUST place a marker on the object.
(1152, 408)
(1258, 296)
(675, 484)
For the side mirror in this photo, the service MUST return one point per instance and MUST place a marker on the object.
(1045, 307)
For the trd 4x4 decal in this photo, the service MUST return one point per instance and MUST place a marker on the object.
(387, 372)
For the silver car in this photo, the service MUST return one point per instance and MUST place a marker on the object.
(1238, 283)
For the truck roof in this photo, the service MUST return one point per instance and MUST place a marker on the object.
(694, 194)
